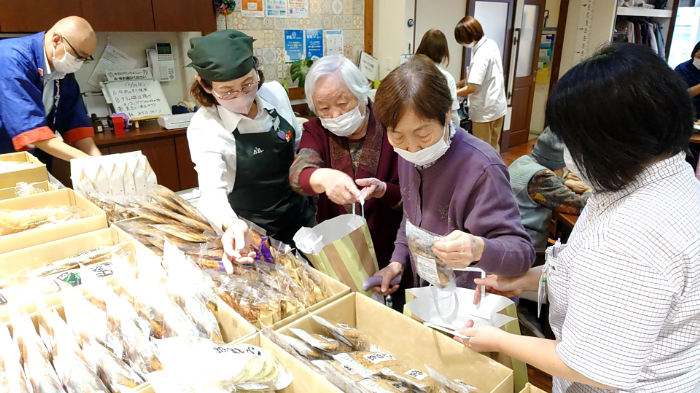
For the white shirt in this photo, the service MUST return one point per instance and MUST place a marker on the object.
(49, 76)
(488, 103)
(453, 92)
(624, 294)
(213, 147)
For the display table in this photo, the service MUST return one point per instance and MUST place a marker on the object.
(167, 152)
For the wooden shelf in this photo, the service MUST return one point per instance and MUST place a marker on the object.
(643, 12)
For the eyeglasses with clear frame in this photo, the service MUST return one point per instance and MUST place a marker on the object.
(245, 89)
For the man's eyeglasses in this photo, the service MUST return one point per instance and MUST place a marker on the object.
(77, 55)
(231, 94)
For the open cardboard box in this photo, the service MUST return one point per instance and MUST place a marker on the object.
(411, 342)
(11, 192)
(304, 380)
(43, 254)
(34, 174)
(531, 389)
(96, 219)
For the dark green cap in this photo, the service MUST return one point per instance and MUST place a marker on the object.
(221, 56)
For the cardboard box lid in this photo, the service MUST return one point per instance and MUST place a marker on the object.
(96, 219)
(411, 342)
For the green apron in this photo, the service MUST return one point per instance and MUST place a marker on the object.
(261, 192)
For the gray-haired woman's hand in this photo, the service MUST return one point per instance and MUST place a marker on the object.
(338, 186)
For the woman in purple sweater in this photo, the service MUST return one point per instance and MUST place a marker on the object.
(452, 183)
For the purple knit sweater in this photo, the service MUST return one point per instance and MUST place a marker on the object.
(467, 189)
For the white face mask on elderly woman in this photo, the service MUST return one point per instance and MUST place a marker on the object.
(430, 154)
(345, 124)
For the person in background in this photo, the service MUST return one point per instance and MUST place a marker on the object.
(624, 293)
(452, 183)
(434, 46)
(344, 153)
(40, 96)
(536, 181)
(484, 84)
(689, 71)
(242, 141)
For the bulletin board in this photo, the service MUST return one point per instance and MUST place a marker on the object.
(268, 29)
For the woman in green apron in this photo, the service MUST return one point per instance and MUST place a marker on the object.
(242, 141)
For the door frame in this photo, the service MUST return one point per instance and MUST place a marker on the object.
(558, 45)
(467, 54)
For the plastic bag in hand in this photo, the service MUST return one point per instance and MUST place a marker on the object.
(428, 266)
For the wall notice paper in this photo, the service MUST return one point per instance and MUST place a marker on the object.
(138, 98)
(96, 103)
(293, 44)
(112, 59)
(369, 66)
(299, 8)
(114, 174)
(129, 75)
(314, 43)
(334, 42)
(252, 8)
(276, 8)
(456, 310)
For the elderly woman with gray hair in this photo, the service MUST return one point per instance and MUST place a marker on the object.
(345, 153)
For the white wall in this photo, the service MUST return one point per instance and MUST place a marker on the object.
(134, 44)
(443, 18)
(601, 30)
(391, 32)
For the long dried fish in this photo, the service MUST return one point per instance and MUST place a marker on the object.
(186, 208)
(183, 233)
(176, 216)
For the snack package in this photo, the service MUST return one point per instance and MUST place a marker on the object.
(450, 385)
(34, 355)
(417, 380)
(133, 334)
(376, 361)
(319, 341)
(26, 288)
(171, 382)
(428, 266)
(86, 258)
(23, 189)
(116, 206)
(72, 369)
(382, 386)
(6, 166)
(23, 220)
(191, 290)
(237, 368)
(341, 378)
(112, 370)
(356, 370)
(12, 378)
(311, 357)
(346, 333)
(85, 320)
(97, 288)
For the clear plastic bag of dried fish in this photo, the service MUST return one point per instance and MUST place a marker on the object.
(232, 368)
(14, 221)
(117, 207)
(428, 266)
(12, 378)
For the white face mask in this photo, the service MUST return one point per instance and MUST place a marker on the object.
(68, 64)
(345, 124)
(430, 154)
(470, 45)
(240, 104)
(696, 63)
(571, 166)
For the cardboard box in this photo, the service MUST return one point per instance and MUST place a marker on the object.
(34, 174)
(531, 389)
(46, 253)
(304, 380)
(96, 219)
(336, 290)
(11, 192)
(411, 342)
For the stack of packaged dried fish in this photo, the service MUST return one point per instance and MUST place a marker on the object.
(347, 358)
(265, 293)
(31, 283)
(167, 216)
(23, 220)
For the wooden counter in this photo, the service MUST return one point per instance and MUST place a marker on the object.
(167, 152)
(695, 138)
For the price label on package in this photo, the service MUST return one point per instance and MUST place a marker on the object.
(427, 268)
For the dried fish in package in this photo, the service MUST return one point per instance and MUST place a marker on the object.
(23, 220)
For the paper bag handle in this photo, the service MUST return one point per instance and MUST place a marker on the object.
(361, 201)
